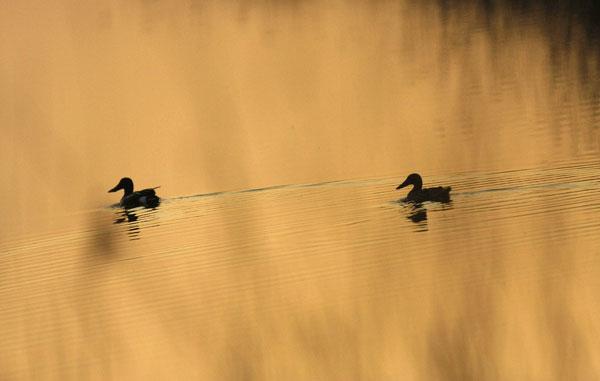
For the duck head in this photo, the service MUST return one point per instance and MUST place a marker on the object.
(413, 179)
(126, 184)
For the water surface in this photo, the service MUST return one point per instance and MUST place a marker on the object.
(278, 133)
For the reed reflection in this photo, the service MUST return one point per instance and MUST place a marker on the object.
(302, 281)
(569, 29)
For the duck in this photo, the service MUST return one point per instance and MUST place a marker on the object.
(146, 197)
(419, 194)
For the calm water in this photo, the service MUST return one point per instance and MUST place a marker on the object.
(236, 276)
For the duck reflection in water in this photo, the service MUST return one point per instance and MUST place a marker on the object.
(416, 213)
(133, 230)
(126, 216)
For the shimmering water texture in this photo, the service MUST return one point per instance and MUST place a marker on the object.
(501, 280)
(332, 277)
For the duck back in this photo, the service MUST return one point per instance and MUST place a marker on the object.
(145, 197)
(439, 194)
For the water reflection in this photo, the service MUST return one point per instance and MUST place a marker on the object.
(417, 212)
(449, 93)
(474, 92)
(288, 271)
(131, 218)
(136, 220)
(127, 215)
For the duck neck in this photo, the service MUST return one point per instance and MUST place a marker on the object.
(417, 185)
(128, 188)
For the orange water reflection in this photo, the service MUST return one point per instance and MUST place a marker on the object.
(230, 96)
(335, 281)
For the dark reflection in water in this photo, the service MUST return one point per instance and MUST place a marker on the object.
(131, 218)
(416, 212)
(135, 219)
(570, 28)
(126, 216)
(499, 99)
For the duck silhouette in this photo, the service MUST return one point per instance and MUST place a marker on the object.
(420, 194)
(146, 197)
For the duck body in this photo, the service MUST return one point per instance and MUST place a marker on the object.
(145, 197)
(419, 194)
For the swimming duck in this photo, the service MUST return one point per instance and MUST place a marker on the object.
(420, 194)
(146, 197)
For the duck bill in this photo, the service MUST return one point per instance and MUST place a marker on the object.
(116, 188)
(402, 185)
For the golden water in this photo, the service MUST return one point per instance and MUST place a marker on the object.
(239, 276)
